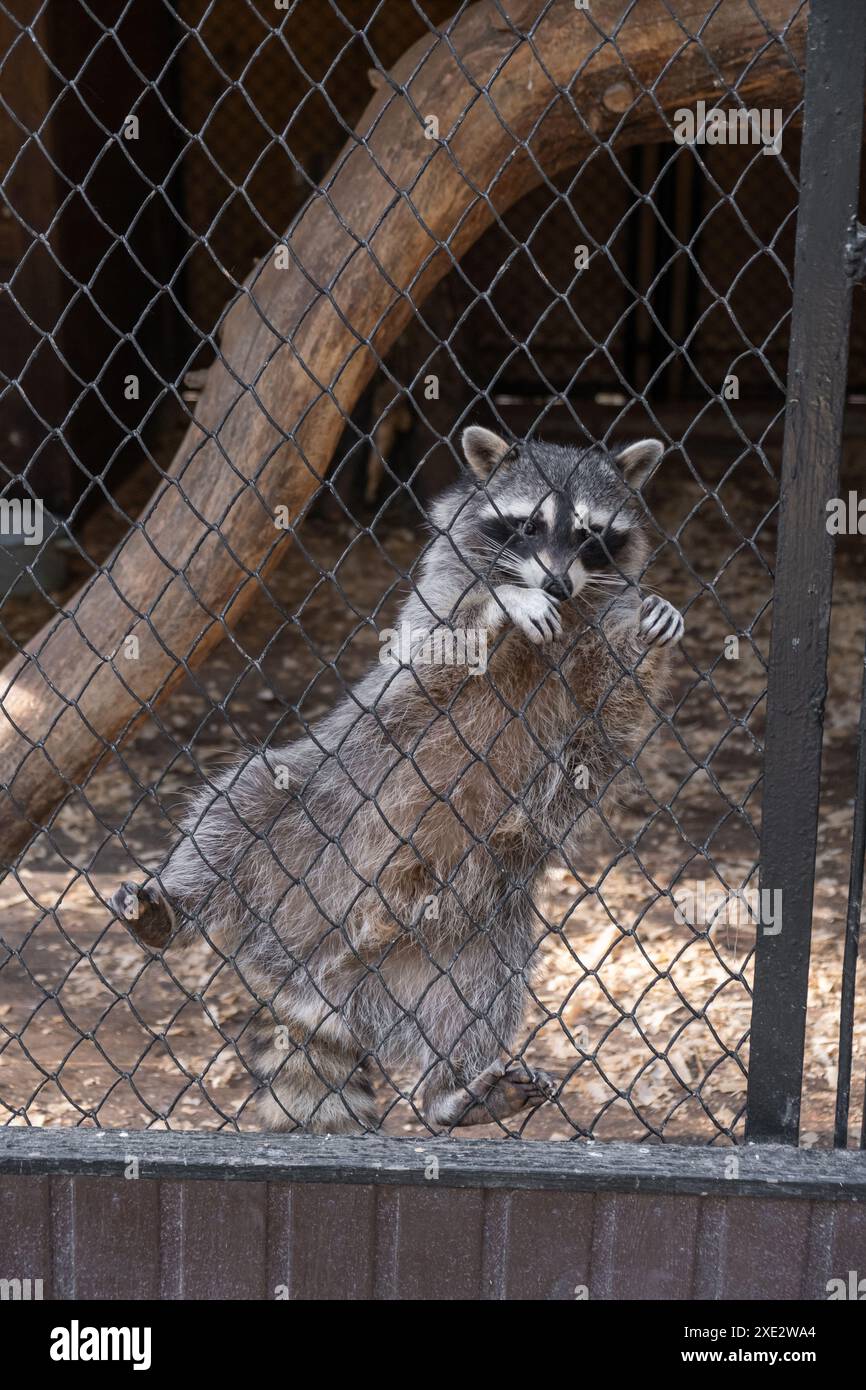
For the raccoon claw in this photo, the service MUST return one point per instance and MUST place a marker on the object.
(503, 1093)
(537, 1086)
(533, 611)
(518, 1088)
(147, 911)
(660, 623)
(495, 1095)
(124, 903)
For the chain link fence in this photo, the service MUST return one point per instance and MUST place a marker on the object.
(383, 746)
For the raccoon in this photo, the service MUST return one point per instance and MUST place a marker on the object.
(374, 882)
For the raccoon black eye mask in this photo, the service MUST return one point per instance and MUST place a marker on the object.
(597, 550)
(596, 546)
(373, 882)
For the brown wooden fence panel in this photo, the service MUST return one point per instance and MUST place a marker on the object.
(306, 1219)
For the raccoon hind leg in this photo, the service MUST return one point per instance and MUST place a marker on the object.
(468, 1032)
(315, 1082)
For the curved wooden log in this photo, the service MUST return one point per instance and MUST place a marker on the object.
(300, 343)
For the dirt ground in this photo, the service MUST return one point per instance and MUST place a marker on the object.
(644, 1020)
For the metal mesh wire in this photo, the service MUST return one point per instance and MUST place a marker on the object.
(640, 1017)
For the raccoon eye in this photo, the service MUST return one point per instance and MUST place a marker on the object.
(530, 527)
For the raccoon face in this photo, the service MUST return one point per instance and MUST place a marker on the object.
(554, 518)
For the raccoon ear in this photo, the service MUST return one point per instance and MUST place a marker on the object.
(637, 461)
(483, 450)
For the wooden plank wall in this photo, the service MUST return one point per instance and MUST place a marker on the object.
(100, 1237)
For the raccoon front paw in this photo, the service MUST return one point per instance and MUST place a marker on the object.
(531, 610)
(147, 910)
(660, 623)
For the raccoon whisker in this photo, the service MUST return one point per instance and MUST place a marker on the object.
(499, 557)
(491, 557)
(604, 584)
(609, 580)
(504, 565)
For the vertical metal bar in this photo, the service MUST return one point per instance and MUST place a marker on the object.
(817, 373)
(852, 932)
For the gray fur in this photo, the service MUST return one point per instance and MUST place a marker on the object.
(374, 881)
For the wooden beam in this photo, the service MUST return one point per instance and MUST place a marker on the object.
(765, 1170)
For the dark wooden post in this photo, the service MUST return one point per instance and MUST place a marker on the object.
(817, 374)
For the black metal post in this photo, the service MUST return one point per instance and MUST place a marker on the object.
(817, 373)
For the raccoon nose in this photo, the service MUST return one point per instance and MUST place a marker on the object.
(558, 586)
